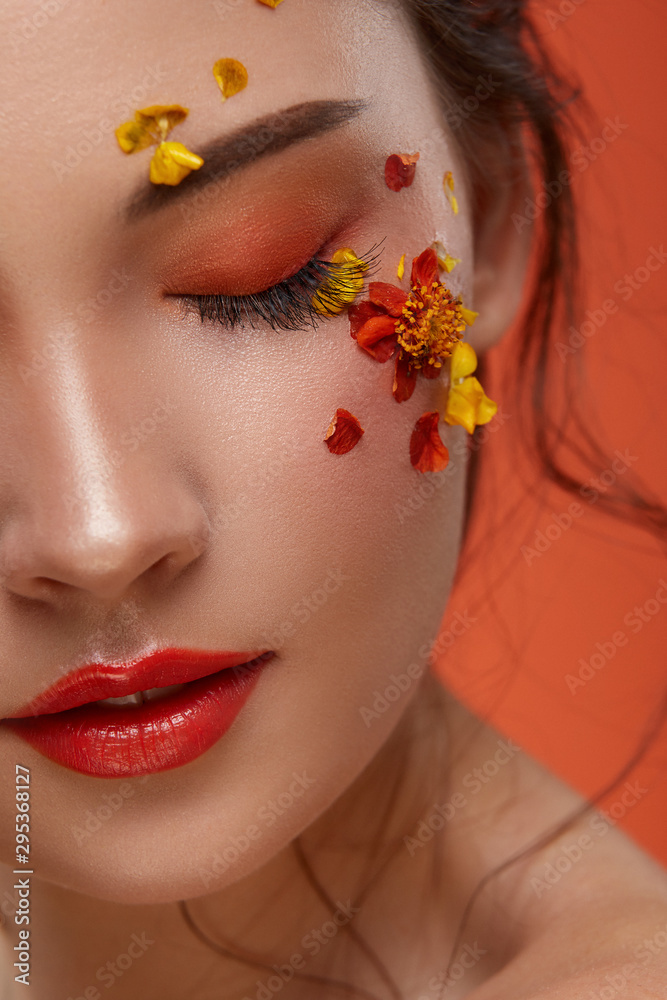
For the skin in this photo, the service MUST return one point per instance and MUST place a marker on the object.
(232, 511)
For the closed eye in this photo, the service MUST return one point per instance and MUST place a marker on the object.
(287, 305)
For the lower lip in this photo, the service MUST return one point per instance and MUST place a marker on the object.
(108, 741)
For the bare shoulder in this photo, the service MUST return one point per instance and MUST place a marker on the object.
(593, 925)
(591, 956)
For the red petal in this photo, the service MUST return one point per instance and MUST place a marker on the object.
(344, 432)
(378, 337)
(427, 452)
(399, 170)
(360, 313)
(391, 298)
(405, 379)
(430, 371)
(425, 268)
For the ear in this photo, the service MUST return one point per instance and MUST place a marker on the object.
(503, 240)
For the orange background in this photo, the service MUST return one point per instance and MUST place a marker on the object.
(511, 665)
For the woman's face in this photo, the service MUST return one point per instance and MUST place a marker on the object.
(165, 482)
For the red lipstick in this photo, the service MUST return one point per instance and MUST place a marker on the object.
(155, 727)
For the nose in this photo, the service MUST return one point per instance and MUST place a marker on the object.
(82, 518)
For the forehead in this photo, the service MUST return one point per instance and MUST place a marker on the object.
(72, 70)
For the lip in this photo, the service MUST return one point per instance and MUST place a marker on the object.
(65, 724)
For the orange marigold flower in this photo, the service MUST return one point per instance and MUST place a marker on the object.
(344, 432)
(399, 170)
(421, 326)
(427, 452)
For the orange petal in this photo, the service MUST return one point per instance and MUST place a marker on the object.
(430, 371)
(360, 313)
(343, 433)
(425, 268)
(405, 379)
(271, 3)
(388, 296)
(378, 337)
(399, 170)
(231, 76)
(427, 452)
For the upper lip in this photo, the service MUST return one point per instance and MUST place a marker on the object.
(97, 681)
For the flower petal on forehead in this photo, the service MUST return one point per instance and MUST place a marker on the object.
(425, 268)
(344, 432)
(271, 3)
(163, 117)
(388, 296)
(171, 162)
(132, 137)
(231, 76)
(427, 451)
(399, 170)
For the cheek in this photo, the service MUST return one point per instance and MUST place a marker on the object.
(356, 551)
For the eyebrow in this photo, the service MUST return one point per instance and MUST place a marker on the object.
(226, 155)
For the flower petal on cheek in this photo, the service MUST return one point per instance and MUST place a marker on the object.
(399, 170)
(344, 432)
(360, 313)
(427, 451)
(231, 76)
(378, 337)
(391, 298)
(271, 3)
(405, 379)
(400, 270)
(425, 268)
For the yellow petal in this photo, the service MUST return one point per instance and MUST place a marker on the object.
(271, 3)
(343, 288)
(231, 76)
(161, 117)
(455, 205)
(449, 263)
(469, 315)
(346, 255)
(468, 405)
(486, 409)
(448, 181)
(171, 162)
(400, 270)
(132, 137)
(463, 361)
(461, 409)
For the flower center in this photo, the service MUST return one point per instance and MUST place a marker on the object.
(430, 326)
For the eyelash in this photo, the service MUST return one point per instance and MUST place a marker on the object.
(286, 305)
